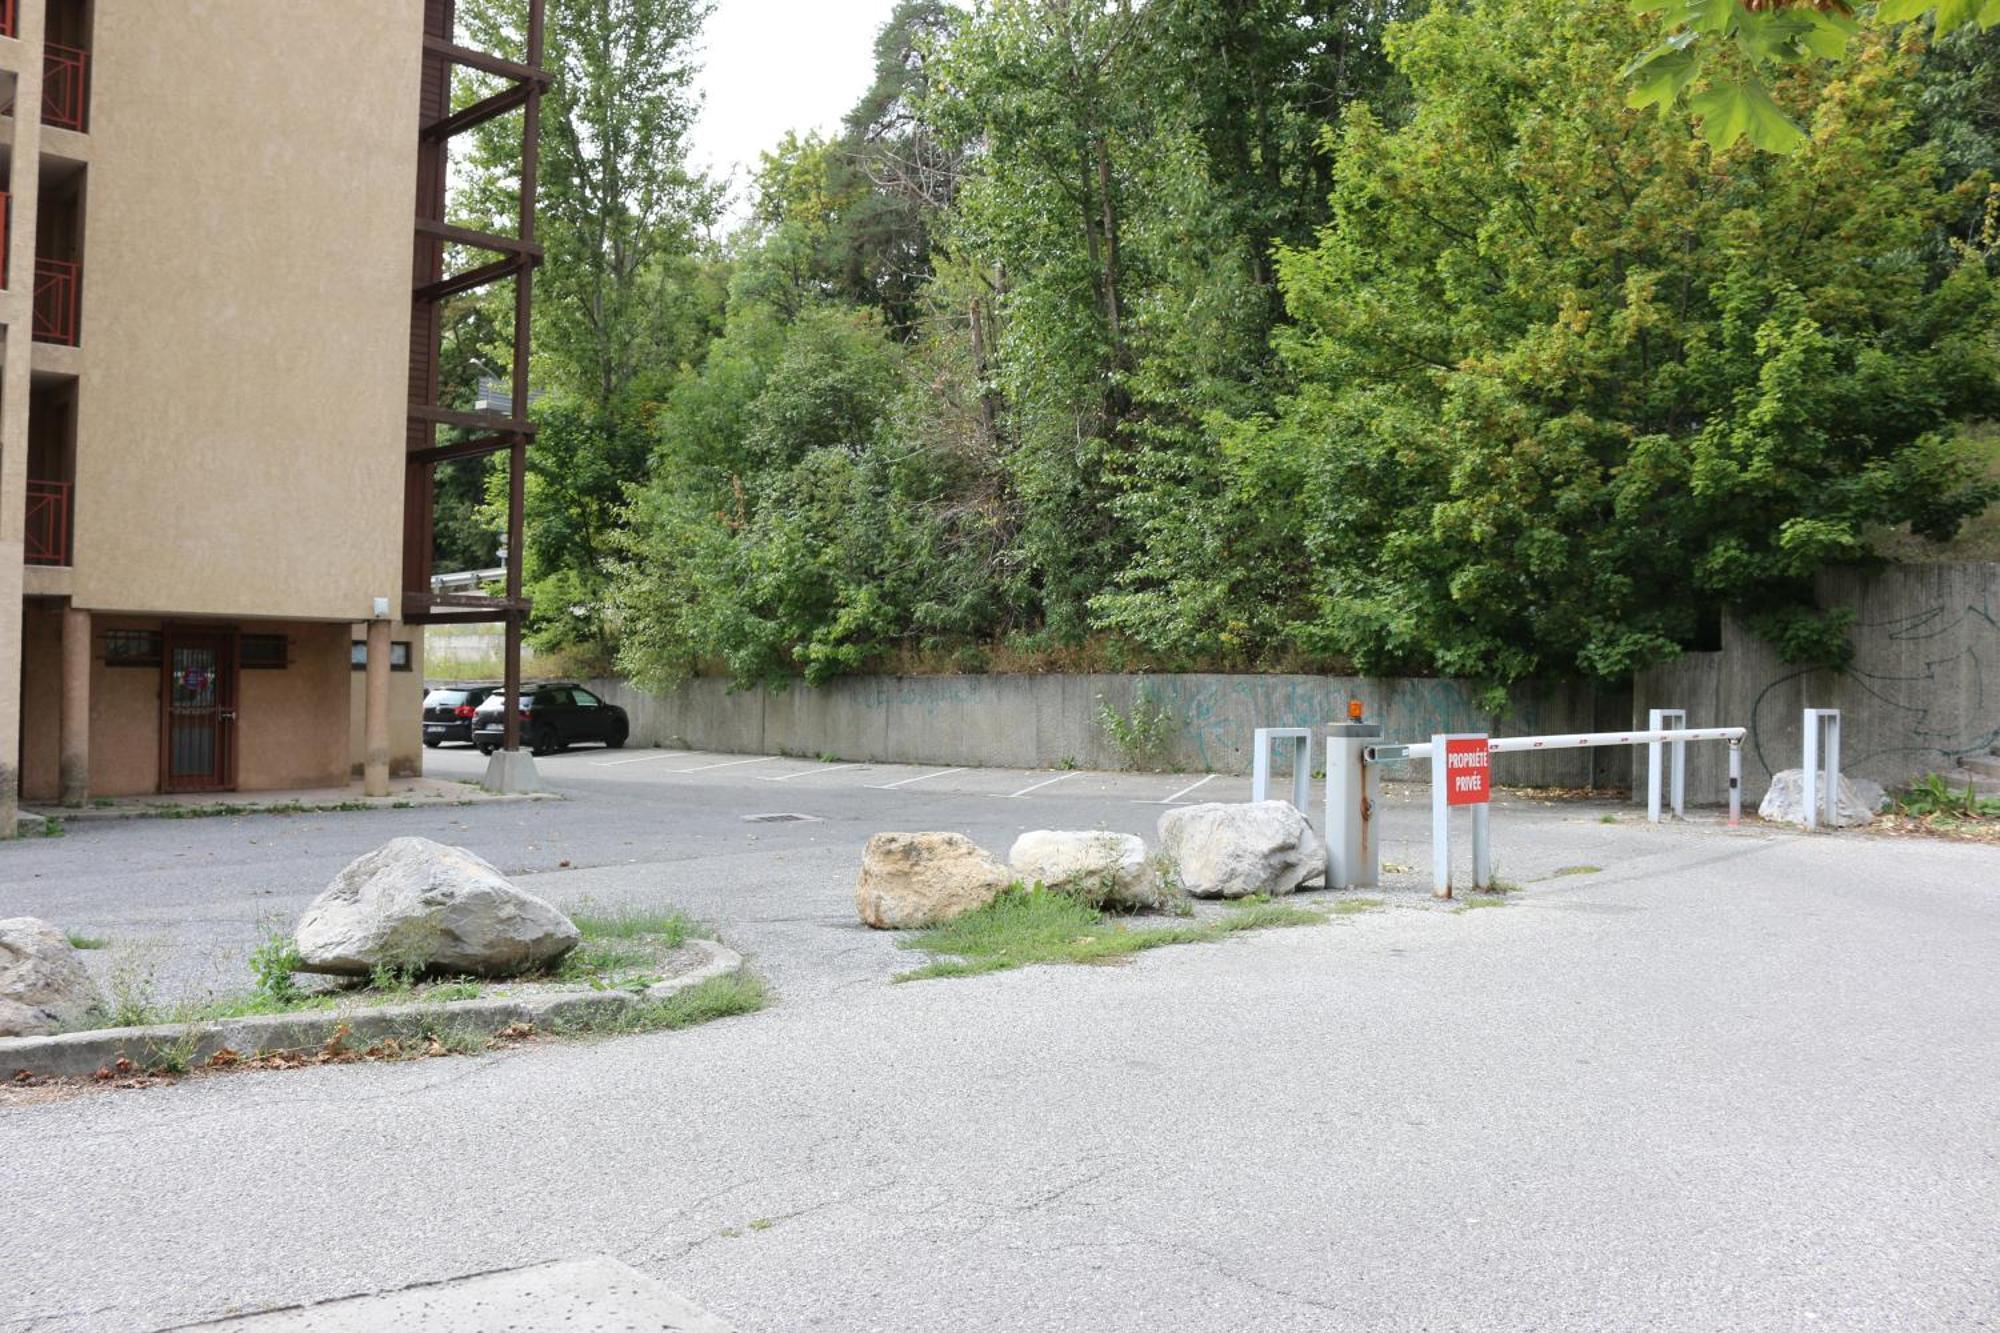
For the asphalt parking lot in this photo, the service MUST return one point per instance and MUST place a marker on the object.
(1686, 1078)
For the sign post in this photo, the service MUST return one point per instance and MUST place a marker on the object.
(1461, 774)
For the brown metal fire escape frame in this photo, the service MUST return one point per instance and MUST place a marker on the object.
(518, 255)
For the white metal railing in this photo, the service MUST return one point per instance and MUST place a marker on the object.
(1364, 869)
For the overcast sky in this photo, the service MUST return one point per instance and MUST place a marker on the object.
(776, 65)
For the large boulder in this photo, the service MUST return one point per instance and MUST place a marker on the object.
(912, 880)
(43, 982)
(1785, 802)
(1103, 868)
(419, 906)
(1233, 851)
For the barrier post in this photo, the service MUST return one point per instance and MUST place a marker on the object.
(1440, 822)
(1353, 793)
(1735, 783)
(1822, 790)
(1260, 764)
(1461, 774)
(1666, 719)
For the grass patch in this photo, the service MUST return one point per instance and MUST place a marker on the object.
(1607, 819)
(718, 997)
(1354, 906)
(1023, 927)
(624, 923)
(77, 941)
(1478, 900)
(1560, 871)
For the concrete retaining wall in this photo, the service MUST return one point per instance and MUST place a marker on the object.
(1923, 688)
(1043, 721)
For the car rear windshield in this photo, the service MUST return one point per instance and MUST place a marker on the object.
(447, 697)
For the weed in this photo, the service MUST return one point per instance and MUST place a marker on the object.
(52, 827)
(1607, 819)
(729, 1233)
(1396, 868)
(133, 967)
(77, 941)
(1354, 906)
(1067, 763)
(1025, 926)
(1145, 736)
(1479, 900)
(103, 802)
(1498, 887)
(828, 757)
(664, 925)
(1935, 798)
(762, 1224)
(274, 961)
(1560, 871)
(456, 990)
(177, 1056)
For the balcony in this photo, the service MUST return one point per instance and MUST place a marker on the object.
(65, 70)
(57, 282)
(46, 541)
(65, 84)
(7, 28)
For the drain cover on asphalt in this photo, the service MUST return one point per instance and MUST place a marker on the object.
(781, 819)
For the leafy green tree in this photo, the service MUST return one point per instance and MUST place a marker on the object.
(1564, 380)
(624, 298)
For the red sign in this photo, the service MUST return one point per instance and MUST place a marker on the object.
(1467, 771)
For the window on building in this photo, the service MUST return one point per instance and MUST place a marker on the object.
(264, 652)
(399, 654)
(132, 647)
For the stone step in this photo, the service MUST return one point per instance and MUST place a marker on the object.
(1985, 765)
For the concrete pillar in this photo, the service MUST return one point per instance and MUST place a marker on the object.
(16, 311)
(75, 768)
(375, 727)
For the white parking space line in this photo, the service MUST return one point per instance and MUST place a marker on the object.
(642, 759)
(1060, 777)
(804, 772)
(1183, 791)
(921, 777)
(728, 763)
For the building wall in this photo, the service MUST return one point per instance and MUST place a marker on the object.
(293, 724)
(1922, 690)
(246, 298)
(406, 706)
(1034, 721)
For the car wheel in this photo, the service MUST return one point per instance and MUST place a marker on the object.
(545, 741)
(432, 745)
(617, 741)
(486, 749)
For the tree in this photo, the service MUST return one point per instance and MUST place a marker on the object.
(623, 299)
(1716, 56)
(1564, 381)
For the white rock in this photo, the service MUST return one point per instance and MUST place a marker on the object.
(1785, 802)
(413, 903)
(1103, 868)
(43, 982)
(1233, 851)
(912, 880)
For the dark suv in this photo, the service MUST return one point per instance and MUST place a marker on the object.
(449, 710)
(553, 717)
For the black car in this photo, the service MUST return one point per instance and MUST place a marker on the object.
(553, 717)
(449, 710)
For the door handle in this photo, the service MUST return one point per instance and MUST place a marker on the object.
(226, 715)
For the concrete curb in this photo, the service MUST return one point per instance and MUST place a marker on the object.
(231, 809)
(80, 1054)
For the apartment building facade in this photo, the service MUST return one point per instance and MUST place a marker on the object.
(204, 409)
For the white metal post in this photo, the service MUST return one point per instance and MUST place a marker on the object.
(1353, 794)
(1822, 766)
(1260, 764)
(1809, 773)
(1482, 849)
(1735, 783)
(1440, 822)
(1666, 719)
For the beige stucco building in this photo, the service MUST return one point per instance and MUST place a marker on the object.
(207, 302)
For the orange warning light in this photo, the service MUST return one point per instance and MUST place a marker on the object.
(1354, 710)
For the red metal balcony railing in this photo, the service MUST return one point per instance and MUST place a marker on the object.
(6, 228)
(46, 541)
(65, 70)
(7, 28)
(56, 285)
